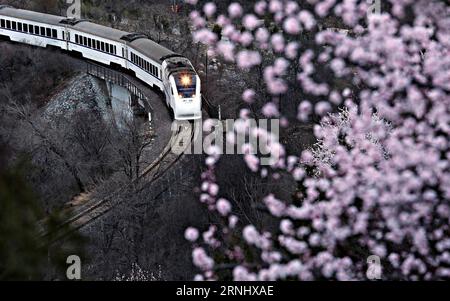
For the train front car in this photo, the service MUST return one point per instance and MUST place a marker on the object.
(182, 88)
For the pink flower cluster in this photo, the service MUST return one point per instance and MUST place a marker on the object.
(377, 181)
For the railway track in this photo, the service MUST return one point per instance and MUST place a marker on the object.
(82, 215)
(182, 138)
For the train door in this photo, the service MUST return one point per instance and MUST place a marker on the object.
(66, 38)
(125, 56)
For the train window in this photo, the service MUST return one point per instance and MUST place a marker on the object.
(31, 29)
(2, 23)
(84, 41)
(42, 31)
(8, 24)
(102, 46)
(123, 52)
(54, 33)
(19, 26)
(48, 32)
(64, 35)
(115, 49)
(14, 25)
(76, 39)
(25, 27)
(106, 47)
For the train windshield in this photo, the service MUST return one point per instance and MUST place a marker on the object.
(186, 84)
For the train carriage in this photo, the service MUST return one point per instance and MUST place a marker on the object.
(152, 63)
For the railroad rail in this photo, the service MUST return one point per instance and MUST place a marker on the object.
(93, 209)
(183, 135)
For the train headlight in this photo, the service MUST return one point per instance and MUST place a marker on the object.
(186, 80)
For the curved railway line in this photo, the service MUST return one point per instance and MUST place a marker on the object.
(93, 209)
(149, 62)
(182, 137)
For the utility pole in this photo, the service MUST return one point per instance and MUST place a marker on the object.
(206, 67)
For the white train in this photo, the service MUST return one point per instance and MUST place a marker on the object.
(154, 64)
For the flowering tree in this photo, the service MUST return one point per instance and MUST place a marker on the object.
(377, 182)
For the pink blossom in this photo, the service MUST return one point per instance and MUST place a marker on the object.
(275, 206)
(249, 96)
(270, 110)
(278, 42)
(292, 26)
(223, 206)
(201, 259)
(291, 50)
(260, 7)
(250, 22)
(247, 59)
(226, 49)
(235, 10)
(191, 234)
(252, 162)
(209, 9)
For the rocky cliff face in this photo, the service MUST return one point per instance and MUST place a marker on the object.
(83, 92)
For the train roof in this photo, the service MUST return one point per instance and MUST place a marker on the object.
(151, 49)
(100, 30)
(139, 42)
(30, 15)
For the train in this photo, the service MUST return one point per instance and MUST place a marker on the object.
(149, 61)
